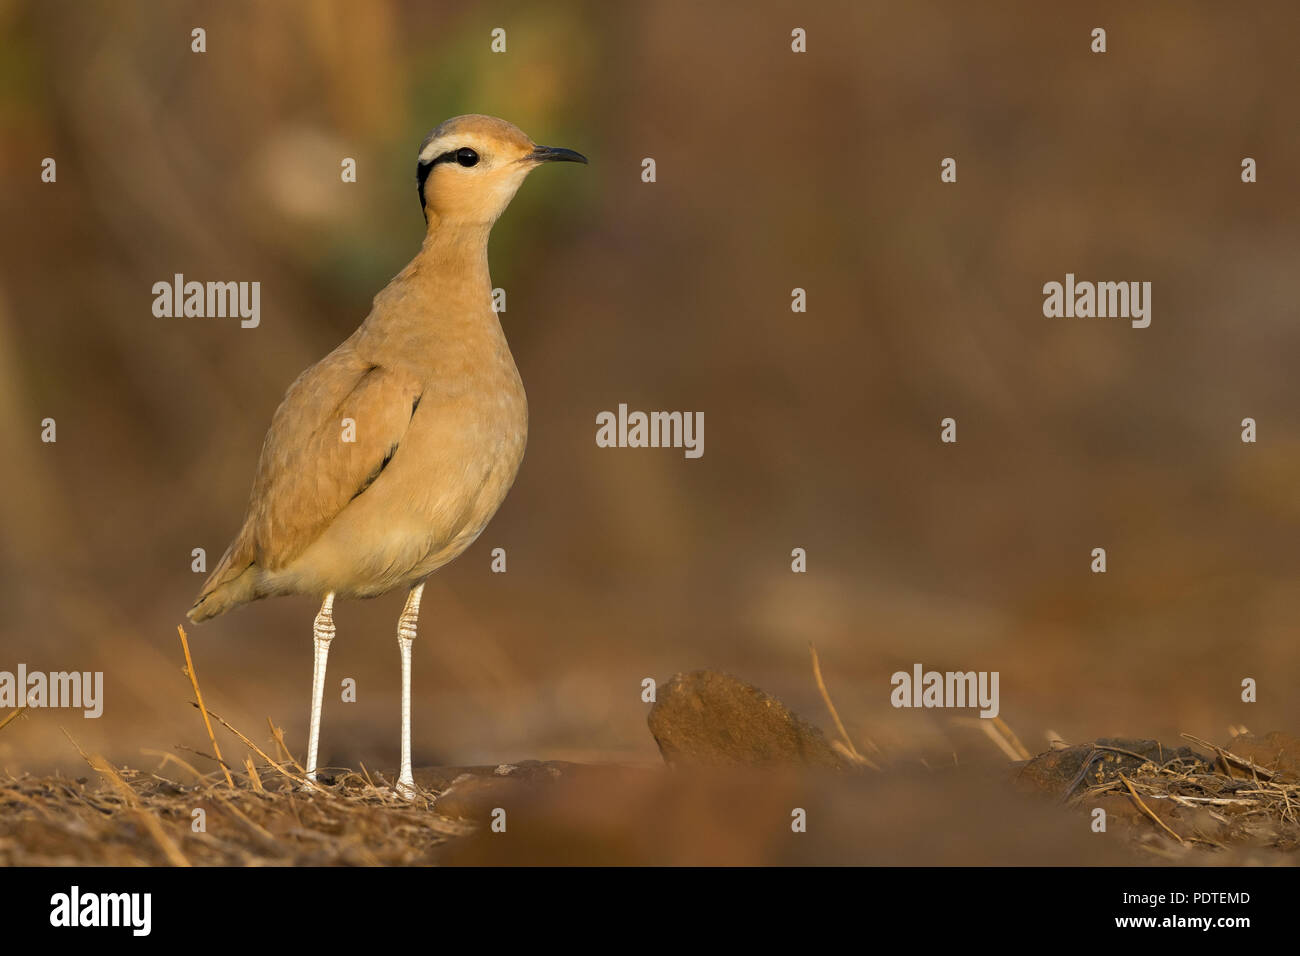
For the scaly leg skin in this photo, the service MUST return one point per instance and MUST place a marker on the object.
(323, 632)
(405, 638)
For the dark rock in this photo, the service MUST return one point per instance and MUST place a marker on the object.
(1067, 771)
(709, 719)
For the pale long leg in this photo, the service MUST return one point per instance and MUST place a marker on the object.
(323, 633)
(405, 638)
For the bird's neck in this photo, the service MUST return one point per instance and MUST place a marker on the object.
(456, 252)
(444, 294)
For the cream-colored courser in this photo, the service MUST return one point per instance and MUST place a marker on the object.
(389, 456)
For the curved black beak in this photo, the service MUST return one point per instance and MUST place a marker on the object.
(555, 154)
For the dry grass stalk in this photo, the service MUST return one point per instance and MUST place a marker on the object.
(1230, 759)
(12, 715)
(1148, 811)
(847, 749)
(146, 818)
(285, 753)
(253, 777)
(194, 679)
(1021, 752)
(301, 781)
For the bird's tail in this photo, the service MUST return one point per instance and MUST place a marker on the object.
(229, 586)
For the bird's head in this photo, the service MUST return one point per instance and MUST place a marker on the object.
(471, 166)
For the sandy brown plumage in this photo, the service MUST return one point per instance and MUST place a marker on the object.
(439, 411)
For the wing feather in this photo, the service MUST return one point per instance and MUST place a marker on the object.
(340, 424)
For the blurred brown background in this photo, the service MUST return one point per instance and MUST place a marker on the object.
(775, 170)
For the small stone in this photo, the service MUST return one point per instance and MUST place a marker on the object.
(707, 719)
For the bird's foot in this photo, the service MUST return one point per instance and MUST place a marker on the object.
(311, 785)
(406, 788)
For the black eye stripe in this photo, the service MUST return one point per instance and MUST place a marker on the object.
(455, 156)
(421, 174)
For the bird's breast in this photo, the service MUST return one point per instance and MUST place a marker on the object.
(465, 449)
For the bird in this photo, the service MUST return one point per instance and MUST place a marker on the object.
(387, 458)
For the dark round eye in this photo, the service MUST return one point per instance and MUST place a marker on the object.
(466, 156)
